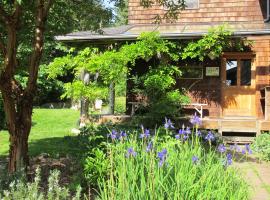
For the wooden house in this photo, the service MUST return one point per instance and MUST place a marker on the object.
(232, 91)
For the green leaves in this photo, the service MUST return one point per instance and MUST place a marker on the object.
(211, 45)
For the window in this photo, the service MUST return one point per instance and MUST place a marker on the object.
(192, 72)
(192, 4)
(265, 7)
(246, 72)
(238, 72)
(231, 72)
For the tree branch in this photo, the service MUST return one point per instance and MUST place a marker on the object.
(41, 18)
(4, 17)
(17, 12)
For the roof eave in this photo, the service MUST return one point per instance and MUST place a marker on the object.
(128, 37)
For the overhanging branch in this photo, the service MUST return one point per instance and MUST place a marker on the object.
(41, 18)
(4, 17)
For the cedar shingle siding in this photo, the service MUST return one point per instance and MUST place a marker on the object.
(208, 11)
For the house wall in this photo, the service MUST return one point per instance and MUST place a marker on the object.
(261, 46)
(209, 11)
(206, 90)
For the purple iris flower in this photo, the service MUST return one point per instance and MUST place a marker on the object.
(130, 152)
(235, 147)
(248, 149)
(122, 134)
(146, 134)
(221, 148)
(229, 159)
(188, 131)
(199, 133)
(177, 136)
(181, 132)
(195, 160)
(149, 146)
(162, 157)
(168, 124)
(243, 151)
(195, 120)
(210, 136)
(113, 135)
(185, 137)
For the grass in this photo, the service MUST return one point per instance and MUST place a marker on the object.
(51, 133)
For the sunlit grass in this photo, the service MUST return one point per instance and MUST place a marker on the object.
(50, 126)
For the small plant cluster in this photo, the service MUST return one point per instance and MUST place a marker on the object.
(167, 164)
(261, 146)
(32, 191)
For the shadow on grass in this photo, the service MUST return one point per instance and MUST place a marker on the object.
(74, 146)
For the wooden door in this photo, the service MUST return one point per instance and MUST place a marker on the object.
(238, 85)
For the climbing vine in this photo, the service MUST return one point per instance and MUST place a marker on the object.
(158, 84)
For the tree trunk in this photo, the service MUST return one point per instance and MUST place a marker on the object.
(19, 159)
(112, 98)
(19, 120)
(84, 107)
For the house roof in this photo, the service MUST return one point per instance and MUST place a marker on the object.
(168, 31)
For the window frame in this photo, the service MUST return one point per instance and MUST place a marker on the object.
(186, 8)
(192, 67)
(238, 56)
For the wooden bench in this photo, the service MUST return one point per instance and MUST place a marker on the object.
(134, 106)
(197, 106)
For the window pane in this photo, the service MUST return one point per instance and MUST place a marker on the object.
(192, 4)
(191, 72)
(246, 72)
(231, 72)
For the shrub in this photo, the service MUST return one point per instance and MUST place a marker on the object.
(261, 145)
(32, 191)
(158, 87)
(166, 165)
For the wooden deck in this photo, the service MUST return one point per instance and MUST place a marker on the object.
(232, 130)
(236, 125)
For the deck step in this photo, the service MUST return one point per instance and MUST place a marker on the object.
(237, 139)
(238, 125)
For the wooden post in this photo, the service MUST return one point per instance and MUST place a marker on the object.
(112, 98)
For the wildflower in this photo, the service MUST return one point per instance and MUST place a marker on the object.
(195, 160)
(229, 159)
(188, 131)
(162, 157)
(149, 146)
(177, 136)
(210, 136)
(181, 132)
(243, 151)
(168, 123)
(130, 152)
(185, 137)
(195, 120)
(122, 134)
(221, 148)
(235, 147)
(145, 134)
(199, 133)
(248, 149)
(113, 135)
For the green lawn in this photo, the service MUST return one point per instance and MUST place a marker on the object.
(51, 133)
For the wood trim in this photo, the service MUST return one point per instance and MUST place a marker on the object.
(238, 55)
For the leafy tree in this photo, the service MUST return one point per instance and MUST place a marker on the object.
(22, 33)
